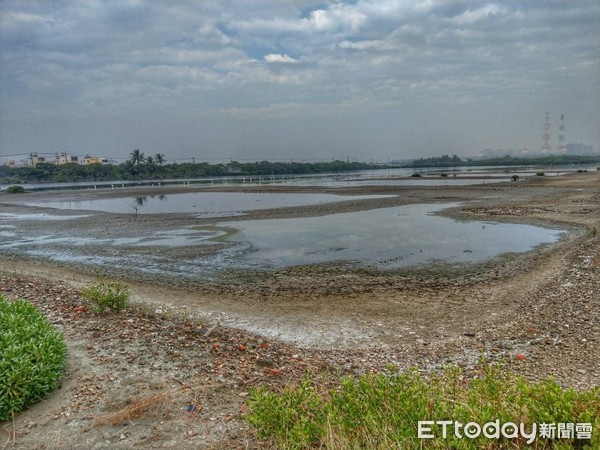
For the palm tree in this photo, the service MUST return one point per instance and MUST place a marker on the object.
(137, 157)
(150, 164)
(159, 158)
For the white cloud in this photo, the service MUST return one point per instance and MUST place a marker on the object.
(278, 58)
(368, 45)
(471, 16)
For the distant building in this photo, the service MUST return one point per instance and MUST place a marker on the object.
(65, 158)
(34, 159)
(234, 169)
(87, 159)
(580, 149)
(9, 163)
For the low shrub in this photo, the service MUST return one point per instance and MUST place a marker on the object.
(15, 190)
(383, 411)
(32, 356)
(105, 294)
(416, 175)
(540, 174)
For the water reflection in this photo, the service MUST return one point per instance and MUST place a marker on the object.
(204, 204)
(384, 238)
(389, 237)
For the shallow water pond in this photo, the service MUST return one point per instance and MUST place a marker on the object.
(385, 238)
(203, 204)
(389, 237)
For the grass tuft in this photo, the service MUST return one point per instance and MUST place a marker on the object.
(15, 189)
(106, 294)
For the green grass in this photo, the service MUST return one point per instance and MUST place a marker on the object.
(105, 294)
(382, 411)
(32, 356)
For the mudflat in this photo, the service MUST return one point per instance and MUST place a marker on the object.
(203, 341)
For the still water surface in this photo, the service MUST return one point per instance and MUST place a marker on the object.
(410, 235)
(389, 237)
(203, 204)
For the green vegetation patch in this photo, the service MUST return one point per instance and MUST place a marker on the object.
(382, 411)
(15, 190)
(32, 356)
(105, 294)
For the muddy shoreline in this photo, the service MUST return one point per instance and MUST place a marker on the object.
(263, 293)
(543, 304)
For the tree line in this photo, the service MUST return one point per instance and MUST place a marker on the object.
(142, 167)
(544, 160)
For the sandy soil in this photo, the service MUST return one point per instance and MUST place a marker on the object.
(273, 325)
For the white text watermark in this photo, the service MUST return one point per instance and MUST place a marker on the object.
(431, 429)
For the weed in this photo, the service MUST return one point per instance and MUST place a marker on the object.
(106, 294)
(32, 356)
(383, 410)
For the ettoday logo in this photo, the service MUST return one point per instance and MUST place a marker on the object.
(430, 429)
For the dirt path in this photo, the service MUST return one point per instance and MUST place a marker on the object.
(152, 378)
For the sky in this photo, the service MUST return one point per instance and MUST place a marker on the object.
(367, 80)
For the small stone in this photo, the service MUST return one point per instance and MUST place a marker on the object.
(264, 362)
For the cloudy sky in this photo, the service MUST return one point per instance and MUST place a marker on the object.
(280, 79)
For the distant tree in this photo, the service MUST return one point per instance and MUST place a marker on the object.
(131, 168)
(137, 157)
(160, 159)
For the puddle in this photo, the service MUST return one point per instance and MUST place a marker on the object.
(390, 237)
(202, 204)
